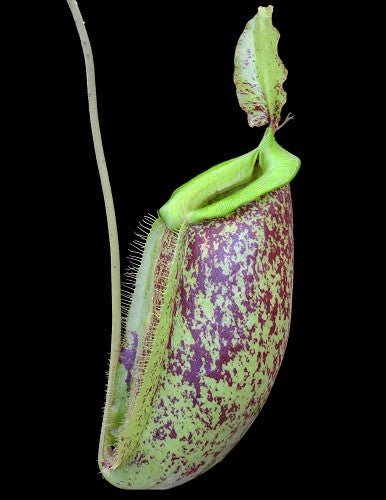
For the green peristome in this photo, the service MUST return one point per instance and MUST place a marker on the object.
(259, 72)
(259, 75)
(247, 177)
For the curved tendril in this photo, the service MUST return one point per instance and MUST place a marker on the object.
(109, 204)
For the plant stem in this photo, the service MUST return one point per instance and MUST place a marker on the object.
(109, 206)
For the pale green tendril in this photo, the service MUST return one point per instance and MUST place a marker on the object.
(109, 206)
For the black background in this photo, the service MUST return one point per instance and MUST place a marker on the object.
(168, 111)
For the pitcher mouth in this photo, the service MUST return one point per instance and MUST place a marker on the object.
(223, 188)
